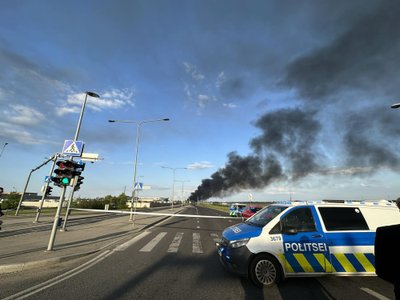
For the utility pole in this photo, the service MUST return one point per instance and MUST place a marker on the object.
(54, 159)
(27, 182)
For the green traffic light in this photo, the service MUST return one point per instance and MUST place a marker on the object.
(65, 181)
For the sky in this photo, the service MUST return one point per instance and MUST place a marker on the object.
(267, 100)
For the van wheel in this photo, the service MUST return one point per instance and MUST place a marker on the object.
(265, 271)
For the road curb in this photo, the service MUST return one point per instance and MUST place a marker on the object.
(18, 267)
(12, 268)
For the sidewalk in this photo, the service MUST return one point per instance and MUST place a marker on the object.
(23, 244)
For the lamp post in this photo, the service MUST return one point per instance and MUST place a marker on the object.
(173, 182)
(78, 128)
(138, 124)
(183, 182)
(63, 190)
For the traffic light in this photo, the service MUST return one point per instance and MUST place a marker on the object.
(67, 170)
(49, 189)
(78, 183)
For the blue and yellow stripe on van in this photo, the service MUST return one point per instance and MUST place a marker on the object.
(323, 263)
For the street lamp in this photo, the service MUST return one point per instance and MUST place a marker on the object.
(138, 124)
(78, 128)
(396, 105)
(60, 203)
(183, 182)
(173, 182)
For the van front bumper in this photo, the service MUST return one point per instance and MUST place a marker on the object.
(236, 260)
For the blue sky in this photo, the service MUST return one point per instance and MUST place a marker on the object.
(303, 87)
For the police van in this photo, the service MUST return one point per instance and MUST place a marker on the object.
(306, 239)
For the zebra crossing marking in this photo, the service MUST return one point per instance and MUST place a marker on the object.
(174, 246)
(197, 248)
(149, 246)
(129, 243)
(215, 237)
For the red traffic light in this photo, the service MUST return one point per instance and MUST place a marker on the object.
(67, 170)
(65, 164)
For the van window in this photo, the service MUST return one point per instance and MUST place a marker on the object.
(264, 216)
(343, 218)
(300, 219)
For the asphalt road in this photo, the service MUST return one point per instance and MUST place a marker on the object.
(177, 259)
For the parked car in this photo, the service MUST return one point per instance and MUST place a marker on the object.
(236, 209)
(250, 210)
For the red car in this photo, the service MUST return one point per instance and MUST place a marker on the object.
(250, 210)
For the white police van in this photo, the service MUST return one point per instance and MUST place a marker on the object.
(306, 239)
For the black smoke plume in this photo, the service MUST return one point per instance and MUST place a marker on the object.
(289, 134)
(347, 84)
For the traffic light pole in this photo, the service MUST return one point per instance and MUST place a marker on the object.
(78, 128)
(54, 158)
(71, 195)
(27, 182)
(56, 218)
(23, 193)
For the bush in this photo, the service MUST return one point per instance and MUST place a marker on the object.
(11, 202)
(99, 203)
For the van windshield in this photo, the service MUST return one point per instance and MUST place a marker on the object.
(265, 215)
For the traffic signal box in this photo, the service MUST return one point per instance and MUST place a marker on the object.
(49, 189)
(66, 172)
(78, 183)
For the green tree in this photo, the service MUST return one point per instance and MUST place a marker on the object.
(121, 201)
(11, 201)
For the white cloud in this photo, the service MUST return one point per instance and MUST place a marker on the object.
(113, 99)
(200, 165)
(221, 78)
(229, 105)
(201, 90)
(348, 171)
(203, 100)
(24, 115)
(12, 133)
(67, 110)
(194, 73)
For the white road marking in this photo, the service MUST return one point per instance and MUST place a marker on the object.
(150, 245)
(56, 280)
(174, 246)
(373, 293)
(129, 243)
(215, 237)
(197, 248)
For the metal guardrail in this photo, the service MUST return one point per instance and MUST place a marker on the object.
(153, 213)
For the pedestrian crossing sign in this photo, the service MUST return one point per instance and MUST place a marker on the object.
(138, 185)
(73, 148)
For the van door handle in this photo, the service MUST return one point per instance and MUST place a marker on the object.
(316, 236)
